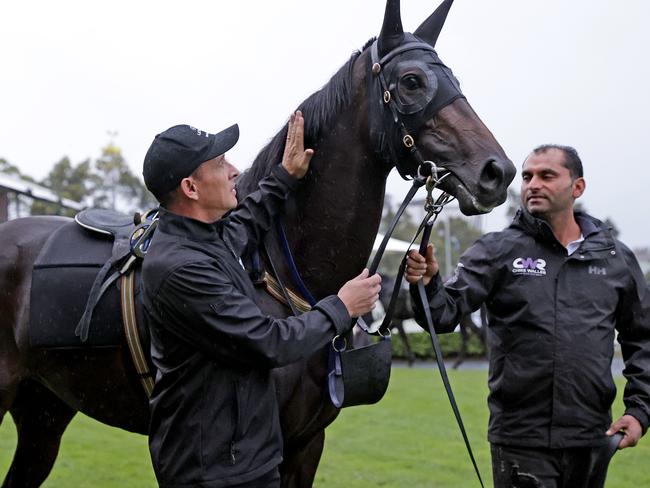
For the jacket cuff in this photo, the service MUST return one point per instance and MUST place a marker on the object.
(333, 307)
(434, 285)
(640, 415)
(431, 289)
(283, 176)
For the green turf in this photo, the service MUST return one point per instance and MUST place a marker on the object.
(92, 455)
(408, 440)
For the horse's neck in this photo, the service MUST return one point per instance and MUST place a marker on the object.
(332, 224)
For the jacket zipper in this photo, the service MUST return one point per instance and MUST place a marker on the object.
(233, 458)
(551, 438)
(232, 452)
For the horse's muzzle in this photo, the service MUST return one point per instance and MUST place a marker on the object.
(487, 192)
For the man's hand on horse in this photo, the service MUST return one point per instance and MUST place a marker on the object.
(296, 158)
(632, 429)
(360, 294)
(420, 267)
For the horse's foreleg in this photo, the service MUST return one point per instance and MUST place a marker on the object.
(41, 418)
(399, 325)
(298, 469)
(464, 335)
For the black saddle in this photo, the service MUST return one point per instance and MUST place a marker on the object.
(108, 222)
(72, 301)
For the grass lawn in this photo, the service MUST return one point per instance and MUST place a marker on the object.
(408, 440)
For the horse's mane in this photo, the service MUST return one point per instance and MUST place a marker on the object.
(319, 111)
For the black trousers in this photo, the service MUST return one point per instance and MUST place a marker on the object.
(269, 480)
(522, 467)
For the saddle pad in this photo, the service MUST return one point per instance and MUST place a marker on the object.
(61, 280)
(72, 245)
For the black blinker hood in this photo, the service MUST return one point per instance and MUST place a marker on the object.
(386, 122)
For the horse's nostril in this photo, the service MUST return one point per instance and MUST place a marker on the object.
(496, 175)
(492, 175)
(492, 170)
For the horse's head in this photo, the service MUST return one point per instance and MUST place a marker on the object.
(418, 113)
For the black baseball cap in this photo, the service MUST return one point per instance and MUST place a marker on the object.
(177, 152)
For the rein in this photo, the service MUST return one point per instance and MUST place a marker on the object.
(426, 227)
(433, 210)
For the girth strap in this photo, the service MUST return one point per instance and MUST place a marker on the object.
(127, 300)
(276, 291)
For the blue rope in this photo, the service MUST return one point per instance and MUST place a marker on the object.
(297, 280)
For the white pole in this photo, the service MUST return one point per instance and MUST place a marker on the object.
(448, 267)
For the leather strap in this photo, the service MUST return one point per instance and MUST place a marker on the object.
(285, 293)
(127, 300)
(441, 364)
(121, 249)
(335, 386)
(415, 186)
(277, 291)
(293, 269)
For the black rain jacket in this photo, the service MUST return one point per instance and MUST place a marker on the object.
(214, 414)
(552, 322)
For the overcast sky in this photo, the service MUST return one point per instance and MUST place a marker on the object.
(564, 71)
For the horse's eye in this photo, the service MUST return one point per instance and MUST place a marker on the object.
(411, 82)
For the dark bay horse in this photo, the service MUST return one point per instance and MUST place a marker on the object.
(358, 128)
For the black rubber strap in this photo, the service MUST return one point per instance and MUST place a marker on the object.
(424, 228)
(436, 347)
(96, 292)
(445, 379)
(415, 186)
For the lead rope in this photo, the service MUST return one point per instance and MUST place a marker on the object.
(426, 226)
(433, 209)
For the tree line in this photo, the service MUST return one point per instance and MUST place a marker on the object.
(106, 182)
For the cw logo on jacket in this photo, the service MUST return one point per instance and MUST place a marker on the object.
(529, 266)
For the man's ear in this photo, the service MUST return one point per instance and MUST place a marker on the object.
(189, 189)
(579, 186)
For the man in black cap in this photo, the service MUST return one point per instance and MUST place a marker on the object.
(214, 414)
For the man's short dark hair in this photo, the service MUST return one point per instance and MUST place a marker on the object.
(171, 197)
(168, 199)
(571, 159)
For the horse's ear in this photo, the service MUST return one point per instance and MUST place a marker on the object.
(430, 28)
(392, 33)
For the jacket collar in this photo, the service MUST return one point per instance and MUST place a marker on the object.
(597, 235)
(186, 227)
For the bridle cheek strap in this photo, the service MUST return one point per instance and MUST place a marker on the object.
(386, 124)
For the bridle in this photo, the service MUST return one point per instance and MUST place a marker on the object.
(390, 137)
